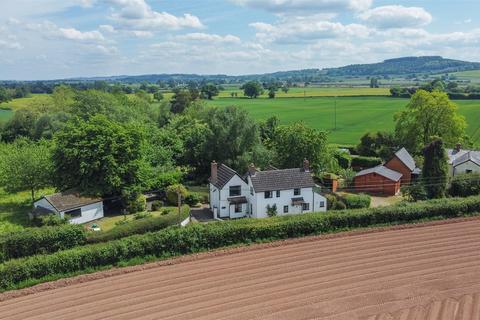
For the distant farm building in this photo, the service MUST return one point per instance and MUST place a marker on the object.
(378, 180)
(404, 163)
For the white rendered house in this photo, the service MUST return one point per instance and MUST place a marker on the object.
(70, 205)
(290, 191)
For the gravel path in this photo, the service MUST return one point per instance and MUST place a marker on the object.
(426, 273)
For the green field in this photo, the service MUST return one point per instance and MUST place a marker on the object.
(314, 92)
(472, 76)
(355, 115)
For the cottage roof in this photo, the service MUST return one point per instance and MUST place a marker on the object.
(383, 171)
(70, 200)
(406, 158)
(468, 156)
(454, 154)
(284, 179)
(224, 174)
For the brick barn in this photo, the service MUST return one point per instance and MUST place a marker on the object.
(404, 163)
(378, 180)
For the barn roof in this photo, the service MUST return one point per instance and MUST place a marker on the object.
(406, 158)
(382, 171)
(468, 156)
(70, 200)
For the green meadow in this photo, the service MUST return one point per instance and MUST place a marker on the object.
(313, 92)
(354, 115)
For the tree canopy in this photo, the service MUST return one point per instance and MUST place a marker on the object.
(252, 89)
(429, 114)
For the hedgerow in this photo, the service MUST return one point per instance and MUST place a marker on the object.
(357, 201)
(200, 237)
(361, 162)
(40, 240)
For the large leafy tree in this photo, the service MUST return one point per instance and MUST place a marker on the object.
(180, 101)
(21, 125)
(25, 166)
(99, 156)
(209, 91)
(429, 114)
(297, 142)
(252, 89)
(4, 95)
(435, 169)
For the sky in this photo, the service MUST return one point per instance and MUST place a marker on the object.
(55, 39)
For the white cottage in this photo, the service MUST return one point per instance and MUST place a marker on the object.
(71, 205)
(463, 161)
(290, 191)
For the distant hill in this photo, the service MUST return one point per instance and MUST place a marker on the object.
(392, 67)
(404, 66)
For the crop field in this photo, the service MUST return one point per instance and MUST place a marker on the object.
(314, 92)
(473, 75)
(422, 273)
(354, 117)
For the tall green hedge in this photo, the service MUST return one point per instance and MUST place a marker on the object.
(357, 201)
(465, 185)
(199, 237)
(40, 240)
(361, 162)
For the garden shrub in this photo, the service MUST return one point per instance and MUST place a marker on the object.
(174, 241)
(465, 185)
(34, 241)
(193, 199)
(49, 220)
(357, 201)
(136, 203)
(157, 205)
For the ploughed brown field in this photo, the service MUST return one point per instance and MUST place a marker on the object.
(422, 273)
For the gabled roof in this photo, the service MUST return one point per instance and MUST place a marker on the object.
(468, 156)
(273, 180)
(224, 174)
(454, 154)
(70, 200)
(382, 171)
(406, 158)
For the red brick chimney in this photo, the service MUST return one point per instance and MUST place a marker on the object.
(213, 171)
(251, 169)
(306, 165)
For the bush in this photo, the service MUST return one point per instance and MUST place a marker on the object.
(340, 205)
(331, 201)
(142, 215)
(365, 162)
(34, 241)
(157, 205)
(200, 237)
(140, 226)
(465, 185)
(136, 203)
(193, 199)
(344, 159)
(50, 220)
(357, 201)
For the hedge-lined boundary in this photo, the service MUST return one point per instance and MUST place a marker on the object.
(34, 241)
(141, 226)
(40, 241)
(195, 238)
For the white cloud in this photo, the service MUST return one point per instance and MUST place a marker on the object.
(107, 28)
(74, 34)
(8, 44)
(211, 38)
(300, 30)
(397, 17)
(138, 15)
(306, 7)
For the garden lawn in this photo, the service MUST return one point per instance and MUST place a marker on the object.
(14, 210)
(355, 115)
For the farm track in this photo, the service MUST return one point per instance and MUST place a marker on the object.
(426, 273)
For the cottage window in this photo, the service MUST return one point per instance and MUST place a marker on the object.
(238, 208)
(306, 206)
(278, 193)
(322, 204)
(235, 191)
(268, 194)
(285, 209)
(297, 192)
(468, 171)
(73, 214)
